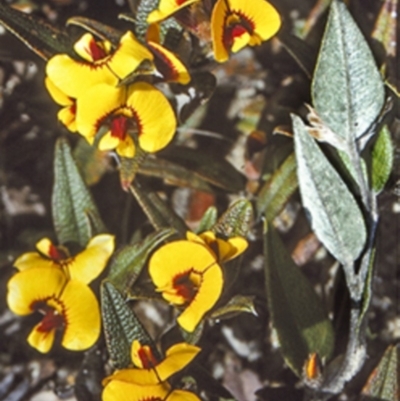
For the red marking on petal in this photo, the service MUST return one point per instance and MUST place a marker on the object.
(52, 318)
(96, 51)
(147, 358)
(238, 30)
(164, 65)
(241, 25)
(119, 127)
(56, 254)
(184, 286)
(180, 2)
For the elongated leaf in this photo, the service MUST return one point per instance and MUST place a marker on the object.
(383, 383)
(335, 215)
(236, 220)
(277, 190)
(129, 261)
(297, 314)
(238, 304)
(75, 215)
(40, 37)
(347, 88)
(382, 159)
(121, 327)
(208, 220)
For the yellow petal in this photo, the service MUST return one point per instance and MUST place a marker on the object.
(58, 96)
(74, 78)
(142, 355)
(82, 316)
(30, 260)
(237, 245)
(156, 119)
(170, 67)
(142, 377)
(167, 8)
(95, 105)
(33, 285)
(91, 50)
(191, 236)
(41, 340)
(126, 147)
(118, 391)
(89, 264)
(218, 17)
(108, 142)
(67, 115)
(240, 42)
(128, 56)
(206, 297)
(182, 395)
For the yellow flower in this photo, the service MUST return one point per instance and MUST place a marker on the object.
(98, 64)
(188, 273)
(67, 115)
(147, 380)
(53, 283)
(139, 109)
(238, 23)
(166, 8)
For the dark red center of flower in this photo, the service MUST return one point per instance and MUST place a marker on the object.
(163, 64)
(96, 51)
(119, 127)
(236, 24)
(185, 286)
(147, 358)
(56, 254)
(180, 2)
(52, 318)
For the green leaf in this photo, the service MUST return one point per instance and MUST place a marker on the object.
(383, 383)
(382, 159)
(276, 191)
(347, 88)
(296, 311)
(236, 221)
(121, 327)
(208, 220)
(129, 166)
(335, 215)
(75, 215)
(40, 37)
(157, 211)
(238, 304)
(127, 264)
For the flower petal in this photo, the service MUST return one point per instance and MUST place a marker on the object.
(237, 245)
(88, 264)
(126, 147)
(218, 18)
(67, 115)
(156, 119)
(90, 49)
(58, 95)
(141, 377)
(128, 56)
(118, 390)
(167, 8)
(182, 395)
(205, 298)
(41, 340)
(170, 67)
(95, 105)
(32, 260)
(82, 314)
(32, 285)
(108, 142)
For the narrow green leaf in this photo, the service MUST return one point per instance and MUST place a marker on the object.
(277, 190)
(297, 314)
(347, 88)
(238, 304)
(208, 220)
(382, 159)
(75, 215)
(129, 166)
(121, 327)
(383, 383)
(42, 38)
(237, 220)
(127, 264)
(335, 215)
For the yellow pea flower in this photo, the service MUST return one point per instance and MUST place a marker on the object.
(140, 109)
(188, 273)
(238, 23)
(98, 64)
(166, 8)
(55, 284)
(147, 380)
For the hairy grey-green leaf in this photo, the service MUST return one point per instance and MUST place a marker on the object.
(382, 159)
(208, 220)
(75, 215)
(347, 88)
(297, 313)
(121, 327)
(127, 264)
(277, 190)
(335, 215)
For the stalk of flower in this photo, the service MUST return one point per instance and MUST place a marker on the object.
(188, 273)
(148, 378)
(139, 111)
(55, 284)
(238, 23)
